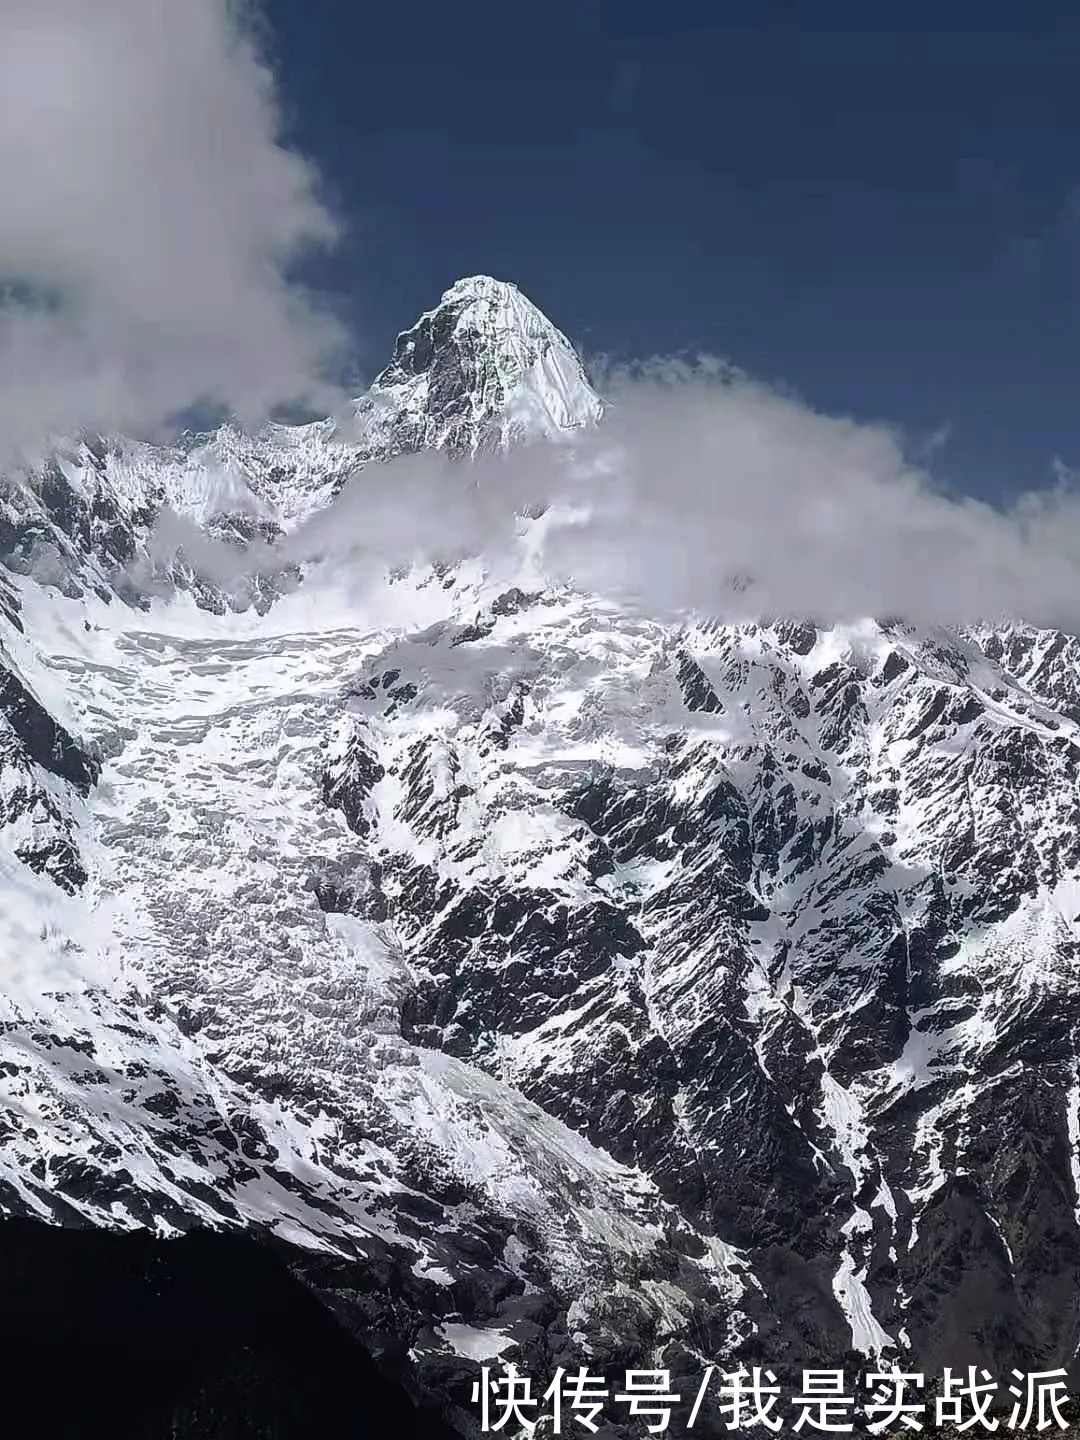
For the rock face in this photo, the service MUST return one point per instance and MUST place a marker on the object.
(552, 984)
(43, 774)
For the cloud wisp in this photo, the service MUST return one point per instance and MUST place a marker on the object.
(701, 491)
(151, 215)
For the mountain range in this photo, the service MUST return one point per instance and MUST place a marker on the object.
(532, 979)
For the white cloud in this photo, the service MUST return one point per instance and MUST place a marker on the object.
(150, 213)
(703, 491)
(709, 481)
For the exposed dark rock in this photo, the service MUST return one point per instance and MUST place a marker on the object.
(207, 1337)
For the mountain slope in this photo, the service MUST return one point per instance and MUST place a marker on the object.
(553, 983)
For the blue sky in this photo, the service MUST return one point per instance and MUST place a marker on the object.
(872, 204)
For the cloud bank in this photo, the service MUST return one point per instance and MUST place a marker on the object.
(700, 492)
(713, 492)
(150, 215)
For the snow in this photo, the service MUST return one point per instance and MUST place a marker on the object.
(473, 1342)
(867, 1335)
(47, 939)
(1073, 1124)
(843, 1115)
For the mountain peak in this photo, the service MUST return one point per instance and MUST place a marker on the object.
(485, 367)
(477, 287)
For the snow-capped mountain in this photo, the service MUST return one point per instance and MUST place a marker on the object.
(483, 369)
(551, 983)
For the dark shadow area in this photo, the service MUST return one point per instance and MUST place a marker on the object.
(207, 1337)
